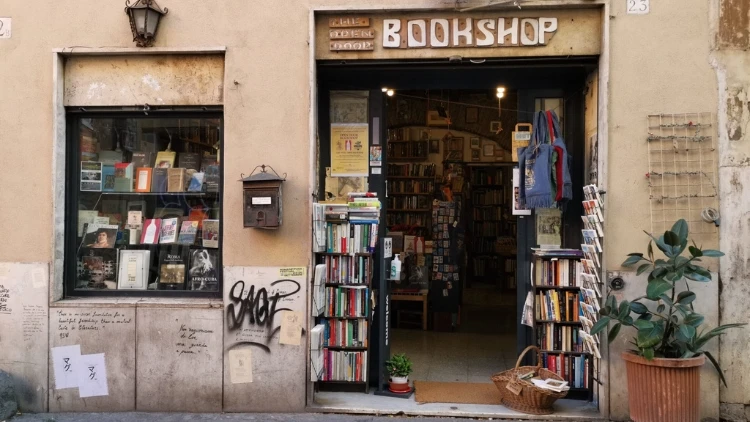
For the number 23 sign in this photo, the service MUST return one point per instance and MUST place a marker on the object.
(638, 7)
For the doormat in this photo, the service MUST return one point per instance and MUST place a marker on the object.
(456, 392)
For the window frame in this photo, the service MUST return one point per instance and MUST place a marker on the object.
(73, 115)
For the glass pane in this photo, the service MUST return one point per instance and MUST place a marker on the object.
(552, 104)
(148, 204)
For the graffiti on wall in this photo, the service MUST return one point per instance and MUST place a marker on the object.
(255, 300)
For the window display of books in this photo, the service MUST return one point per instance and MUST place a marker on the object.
(148, 205)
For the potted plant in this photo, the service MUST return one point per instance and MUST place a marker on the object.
(663, 370)
(399, 368)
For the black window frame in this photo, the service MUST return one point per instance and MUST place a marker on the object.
(73, 116)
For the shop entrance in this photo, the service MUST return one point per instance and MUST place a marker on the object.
(442, 166)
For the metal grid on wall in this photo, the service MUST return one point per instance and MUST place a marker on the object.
(682, 178)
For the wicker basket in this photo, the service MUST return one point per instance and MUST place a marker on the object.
(530, 398)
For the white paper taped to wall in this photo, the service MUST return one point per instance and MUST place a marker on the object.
(38, 279)
(65, 364)
(240, 366)
(92, 376)
(291, 328)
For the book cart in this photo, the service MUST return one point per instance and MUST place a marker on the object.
(342, 303)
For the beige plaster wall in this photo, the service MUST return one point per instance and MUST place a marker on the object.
(266, 100)
(658, 64)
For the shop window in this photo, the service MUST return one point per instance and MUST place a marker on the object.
(143, 213)
(553, 104)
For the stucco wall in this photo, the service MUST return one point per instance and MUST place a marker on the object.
(657, 65)
(732, 60)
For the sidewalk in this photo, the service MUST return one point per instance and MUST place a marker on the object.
(218, 417)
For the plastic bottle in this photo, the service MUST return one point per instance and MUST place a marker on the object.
(396, 268)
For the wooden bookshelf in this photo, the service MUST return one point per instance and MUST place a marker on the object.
(488, 201)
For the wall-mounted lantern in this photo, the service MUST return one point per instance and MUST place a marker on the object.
(144, 16)
(262, 198)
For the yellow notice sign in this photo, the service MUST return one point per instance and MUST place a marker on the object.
(292, 272)
(350, 149)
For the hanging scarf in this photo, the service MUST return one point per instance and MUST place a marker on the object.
(535, 191)
(562, 165)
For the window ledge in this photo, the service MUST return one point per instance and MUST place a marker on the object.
(108, 302)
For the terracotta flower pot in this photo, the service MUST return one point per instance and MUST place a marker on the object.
(663, 390)
(399, 384)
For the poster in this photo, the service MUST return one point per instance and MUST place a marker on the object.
(350, 149)
(548, 224)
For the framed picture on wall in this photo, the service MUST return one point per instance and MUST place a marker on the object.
(474, 143)
(496, 126)
(434, 146)
(474, 155)
(488, 150)
(472, 115)
(434, 119)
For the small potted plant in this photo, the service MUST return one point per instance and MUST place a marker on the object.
(399, 368)
(663, 370)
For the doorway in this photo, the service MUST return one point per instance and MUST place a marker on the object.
(445, 184)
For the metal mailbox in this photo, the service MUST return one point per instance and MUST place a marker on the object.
(262, 199)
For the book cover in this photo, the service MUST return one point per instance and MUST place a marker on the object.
(169, 227)
(175, 180)
(165, 159)
(203, 274)
(210, 233)
(198, 213)
(172, 267)
(189, 160)
(141, 159)
(151, 232)
(143, 179)
(91, 176)
(159, 180)
(196, 182)
(133, 269)
(211, 178)
(208, 160)
(188, 177)
(110, 157)
(123, 177)
(135, 219)
(86, 217)
(100, 235)
(99, 268)
(108, 178)
(188, 231)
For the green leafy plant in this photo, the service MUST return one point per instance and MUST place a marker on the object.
(398, 366)
(669, 327)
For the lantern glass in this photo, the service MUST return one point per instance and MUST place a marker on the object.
(152, 22)
(139, 17)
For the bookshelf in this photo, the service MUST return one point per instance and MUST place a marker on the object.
(557, 323)
(342, 286)
(492, 246)
(410, 191)
(407, 151)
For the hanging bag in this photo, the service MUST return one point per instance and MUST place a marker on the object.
(535, 190)
(562, 163)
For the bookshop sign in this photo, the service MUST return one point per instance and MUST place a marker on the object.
(483, 34)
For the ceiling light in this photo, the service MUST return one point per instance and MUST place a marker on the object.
(384, 89)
